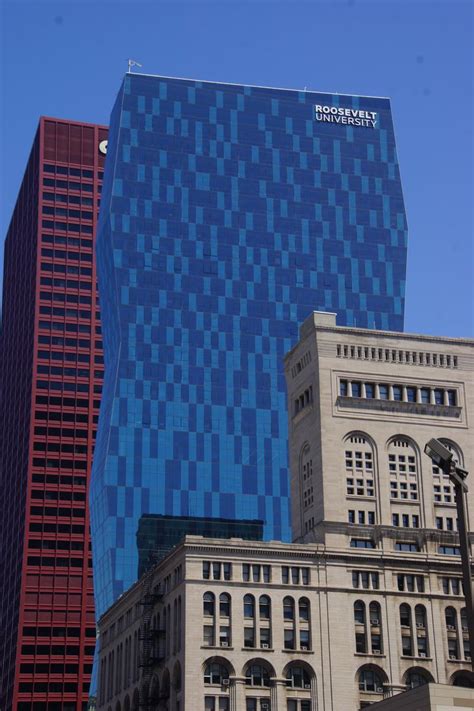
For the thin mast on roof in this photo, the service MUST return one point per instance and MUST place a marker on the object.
(132, 63)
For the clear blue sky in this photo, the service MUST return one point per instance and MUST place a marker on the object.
(67, 59)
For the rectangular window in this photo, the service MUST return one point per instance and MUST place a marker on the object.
(208, 635)
(449, 550)
(304, 639)
(369, 391)
(362, 543)
(249, 637)
(266, 573)
(397, 392)
(285, 574)
(395, 519)
(407, 547)
(452, 400)
(361, 646)
(371, 518)
(383, 392)
(425, 395)
(289, 639)
(407, 650)
(439, 396)
(356, 388)
(376, 643)
(343, 388)
(245, 572)
(224, 636)
(411, 394)
(361, 517)
(206, 570)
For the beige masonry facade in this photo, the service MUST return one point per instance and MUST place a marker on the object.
(368, 602)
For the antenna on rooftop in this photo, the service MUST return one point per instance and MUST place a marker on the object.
(132, 63)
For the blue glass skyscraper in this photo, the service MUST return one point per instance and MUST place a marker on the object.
(228, 214)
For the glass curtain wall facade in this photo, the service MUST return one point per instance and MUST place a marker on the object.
(229, 214)
(51, 373)
(158, 534)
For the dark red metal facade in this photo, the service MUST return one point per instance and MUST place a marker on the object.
(50, 377)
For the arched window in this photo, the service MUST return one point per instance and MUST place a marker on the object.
(249, 606)
(168, 632)
(420, 617)
(177, 677)
(303, 609)
(359, 465)
(209, 604)
(215, 673)
(224, 605)
(288, 609)
(451, 631)
(298, 678)
(264, 607)
(465, 636)
(451, 619)
(306, 486)
(359, 612)
(370, 680)
(360, 627)
(406, 632)
(374, 611)
(257, 675)
(421, 631)
(415, 677)
(464, 679)
(403, 471)
(375, 616)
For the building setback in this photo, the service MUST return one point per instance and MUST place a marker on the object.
(229, 213)
(158, 534)
(51, 375)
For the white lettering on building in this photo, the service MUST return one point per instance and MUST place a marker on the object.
(348, 117)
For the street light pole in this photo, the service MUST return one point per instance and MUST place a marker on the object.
(460, 489)
(443, 458)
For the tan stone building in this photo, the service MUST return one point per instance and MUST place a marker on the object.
(430, 697)
(368, 601)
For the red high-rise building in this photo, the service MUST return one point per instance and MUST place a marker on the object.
(51, 375)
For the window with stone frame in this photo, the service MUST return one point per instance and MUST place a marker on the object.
(402, 470)
(359, 466)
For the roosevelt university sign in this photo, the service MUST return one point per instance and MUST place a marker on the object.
(349, 117)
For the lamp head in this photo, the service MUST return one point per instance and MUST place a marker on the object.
(439, 454)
